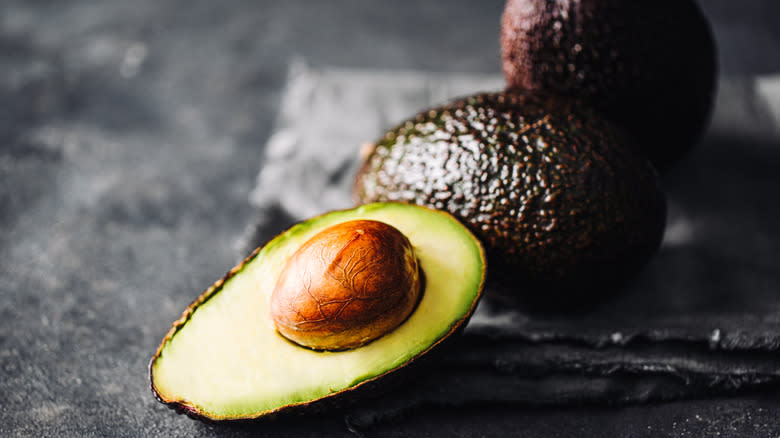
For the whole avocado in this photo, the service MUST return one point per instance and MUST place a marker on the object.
(649, 65)
(565, 204)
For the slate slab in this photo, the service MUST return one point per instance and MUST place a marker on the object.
(702, 319)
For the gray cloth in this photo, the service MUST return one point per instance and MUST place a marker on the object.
(704, 317)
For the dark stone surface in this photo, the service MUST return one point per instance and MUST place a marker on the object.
(700, 320)
(130, 137)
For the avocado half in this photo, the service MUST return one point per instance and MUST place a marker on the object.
(224, 359)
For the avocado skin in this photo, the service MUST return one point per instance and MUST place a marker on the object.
(649, 65)
(564, 203)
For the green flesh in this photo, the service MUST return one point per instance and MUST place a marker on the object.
(227, 361)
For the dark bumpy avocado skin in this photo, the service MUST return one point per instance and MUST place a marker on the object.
(649, 65)
(564, 203)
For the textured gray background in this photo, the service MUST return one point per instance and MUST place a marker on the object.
(130, 138)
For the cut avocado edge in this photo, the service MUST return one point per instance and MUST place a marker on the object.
(360, 384)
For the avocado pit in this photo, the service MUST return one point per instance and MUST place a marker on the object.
(346, 286)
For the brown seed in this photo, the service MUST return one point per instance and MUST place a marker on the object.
(346, 286)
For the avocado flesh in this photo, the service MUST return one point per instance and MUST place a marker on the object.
(225, 360)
